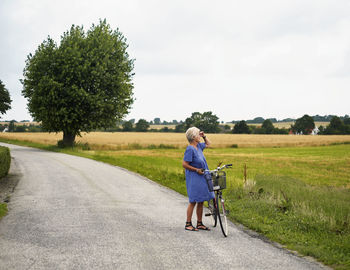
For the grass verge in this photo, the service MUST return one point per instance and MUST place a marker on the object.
(5, 161)
(312, 220)
(298, 196)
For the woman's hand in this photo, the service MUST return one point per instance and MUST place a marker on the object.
(200, 171)
(201, 133)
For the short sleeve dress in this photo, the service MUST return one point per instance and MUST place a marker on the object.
(197, 187)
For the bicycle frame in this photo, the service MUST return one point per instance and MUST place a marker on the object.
(218, 210)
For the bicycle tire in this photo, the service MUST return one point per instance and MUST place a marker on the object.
(222, 216)
(213, 212)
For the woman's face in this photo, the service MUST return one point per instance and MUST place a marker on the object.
(197, 138)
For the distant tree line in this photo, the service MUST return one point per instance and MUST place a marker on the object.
(14, 126)
(209, 123)
(267, 127)
(316, 118)
(206, 121)
(337, 126)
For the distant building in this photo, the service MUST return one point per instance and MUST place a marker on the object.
(315, 131)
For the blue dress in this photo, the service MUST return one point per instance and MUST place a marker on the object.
(197, 187)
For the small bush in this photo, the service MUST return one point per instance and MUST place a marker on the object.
(5, 161)
(162, 146)
(60, 144)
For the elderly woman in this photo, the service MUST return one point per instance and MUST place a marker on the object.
(197, 189)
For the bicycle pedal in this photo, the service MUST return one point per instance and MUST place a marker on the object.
(207, 214)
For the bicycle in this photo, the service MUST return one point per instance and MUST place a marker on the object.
(216, 180)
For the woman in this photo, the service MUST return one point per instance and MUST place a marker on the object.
(197, 189)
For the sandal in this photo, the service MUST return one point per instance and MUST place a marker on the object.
(189, 227)
(201, 226)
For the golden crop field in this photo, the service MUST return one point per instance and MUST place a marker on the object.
(162, 126)
(123, 140)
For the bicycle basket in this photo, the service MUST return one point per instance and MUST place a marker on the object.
(217, 181)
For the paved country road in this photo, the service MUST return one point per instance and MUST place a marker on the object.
(69, 212)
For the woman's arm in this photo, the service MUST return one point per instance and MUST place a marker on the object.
(206, 140)
(187, 166)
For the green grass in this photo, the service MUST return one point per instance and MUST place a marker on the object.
(299, 197)
(313, 220)
(3, 209)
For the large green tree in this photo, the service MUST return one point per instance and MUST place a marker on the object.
(156, 121)
(241, 128)
(304, 125)
(5, 100)
(336, 126)
(82, 84)
(127, 126)
(142, 125)
(207, 121)
(267, 126)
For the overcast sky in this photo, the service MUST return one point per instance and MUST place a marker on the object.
(238, 59)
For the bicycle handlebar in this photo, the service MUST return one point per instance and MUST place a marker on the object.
(220, 168)
(225, 166)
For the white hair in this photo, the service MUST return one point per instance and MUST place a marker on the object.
(191, 133)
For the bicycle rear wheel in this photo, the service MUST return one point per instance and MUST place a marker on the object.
(212, 212)
(222, 215)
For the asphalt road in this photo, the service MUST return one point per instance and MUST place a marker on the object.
(69, 212)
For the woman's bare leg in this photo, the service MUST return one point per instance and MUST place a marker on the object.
(200, 216)
(190, 211)
(199, 211)
(189, 214)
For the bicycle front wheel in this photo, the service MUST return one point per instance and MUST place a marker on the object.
(213, 212)
(222, 215)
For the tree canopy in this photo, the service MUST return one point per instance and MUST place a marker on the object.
(304, 125)
(157, 121)
(5, 100)
(142, 125)
(267, 126)
(207, 121)
(337, 127)
(82, 84)
(241, 128)
(127, 126)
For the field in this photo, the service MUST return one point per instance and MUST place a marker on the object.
(127, 140)
(297, 190)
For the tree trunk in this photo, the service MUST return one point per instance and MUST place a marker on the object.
(68, 139)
